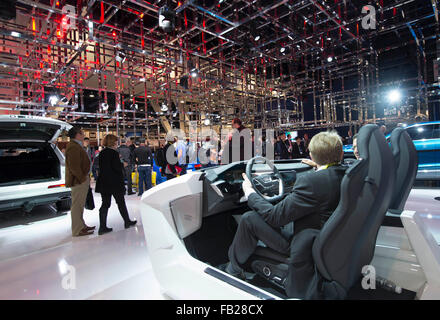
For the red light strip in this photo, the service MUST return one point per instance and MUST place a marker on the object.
(56, 186)
(102, 13)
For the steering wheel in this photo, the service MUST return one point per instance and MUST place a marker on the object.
(268, 182)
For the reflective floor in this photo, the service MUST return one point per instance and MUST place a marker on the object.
(40, 260)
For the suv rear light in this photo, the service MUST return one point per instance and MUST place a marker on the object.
(56, 186)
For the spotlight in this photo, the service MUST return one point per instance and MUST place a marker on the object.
(167, 19)
(120, 56)
(194, 72)
(394, 96)
(330, 59)
(164, 107)
(64, 100)
(15, 34)
(104, 106)
(53, 100)
(207, 122)
(257, 37)
(284, 50)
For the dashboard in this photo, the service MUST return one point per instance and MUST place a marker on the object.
(222, 185)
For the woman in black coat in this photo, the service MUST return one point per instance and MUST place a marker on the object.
(111, 183)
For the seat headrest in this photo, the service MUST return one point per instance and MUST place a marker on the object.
(363, 140)
(396, 135)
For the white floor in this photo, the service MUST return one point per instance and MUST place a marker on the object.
(37, 259)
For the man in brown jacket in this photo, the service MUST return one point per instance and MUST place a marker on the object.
(78, 180)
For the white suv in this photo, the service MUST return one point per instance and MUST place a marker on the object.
(31, 166)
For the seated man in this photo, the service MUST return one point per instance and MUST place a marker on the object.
(313, 199)
(355, 152)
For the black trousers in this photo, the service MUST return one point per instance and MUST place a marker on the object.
(127, 171)
(252, 228)
(106, 202)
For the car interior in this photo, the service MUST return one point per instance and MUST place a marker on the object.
(37, 162)
(373, 193)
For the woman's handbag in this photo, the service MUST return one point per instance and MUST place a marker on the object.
(90, 202)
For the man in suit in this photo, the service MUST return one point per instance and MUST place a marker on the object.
(126, 156)
(77, 179)
(313, 199)
(298, 150)
(283, 147)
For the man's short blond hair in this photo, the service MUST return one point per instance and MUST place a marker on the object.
(326, 148)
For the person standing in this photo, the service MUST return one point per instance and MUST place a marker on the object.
(144, 161)
(290, 145)
(95, 164)
(111, 183)
(170, 155)
(89, 150)
(298, 149)
(283, 147)
(349, 139)
(181, 149)
(127, 160)
(306, 140)
(78, 180)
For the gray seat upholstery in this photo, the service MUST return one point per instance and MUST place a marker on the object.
(325, 264)
(347, 241)
(406, 163)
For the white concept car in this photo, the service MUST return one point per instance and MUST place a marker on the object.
(31, 166)
(368, 249)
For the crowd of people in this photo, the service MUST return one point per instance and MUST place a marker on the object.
(112, 165)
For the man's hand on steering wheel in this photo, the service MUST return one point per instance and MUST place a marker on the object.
(247, 186)
(263, 185)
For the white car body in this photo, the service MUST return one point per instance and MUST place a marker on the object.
(27, 195)
(409, 257)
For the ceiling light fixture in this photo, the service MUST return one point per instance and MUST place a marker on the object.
(194, 72)
(167, 19)
(120, 57)
(53, 100)
(394, 96)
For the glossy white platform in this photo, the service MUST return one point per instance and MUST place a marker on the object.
(34, 258)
